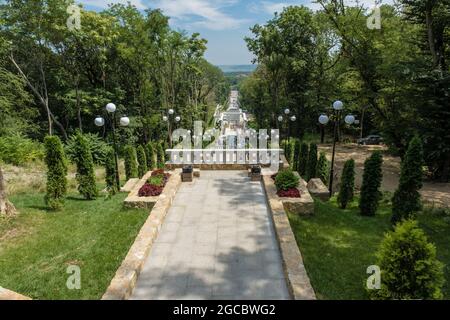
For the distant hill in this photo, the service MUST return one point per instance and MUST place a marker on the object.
(244, 68)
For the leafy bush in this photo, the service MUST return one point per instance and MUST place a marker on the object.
(111, 173)
(409, 268)
(142, 161)
(98, 148)
(406, 201)
(17, 150)
(303, 160)
(347, 189)
(56, 162)
(85, 168)
(323, 168)
(131, 169)
(286, 180)
(156, 181)
(152, 159)
(370, 189)
(311, 168)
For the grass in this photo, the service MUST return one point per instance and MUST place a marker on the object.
(37, 247)
(338, 246)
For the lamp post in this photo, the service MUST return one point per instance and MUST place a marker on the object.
(338, 106)
(124, 121)
(289, 120)
(169, 118)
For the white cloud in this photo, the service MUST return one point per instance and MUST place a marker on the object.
(104, 3)
(206, 13)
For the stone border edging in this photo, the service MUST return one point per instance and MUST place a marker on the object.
(6, 294)
(297, 278)
(124, 281)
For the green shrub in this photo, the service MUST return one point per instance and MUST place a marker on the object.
(85, 168)
(56, 162)
(111, 173)
(18, 150)
(286, 179)
(297, 146)
(131, 166)
(409, 268)
(161, 155)
(311, 168)
(142, 161)
(152, 159)
(303, 160)
(323, 168)
(290, 153)
(370, 189)
(99, 148)
(347, 188)
(156, 181)
(406, 201)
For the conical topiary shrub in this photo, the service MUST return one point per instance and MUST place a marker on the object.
(131, 166)
(111, 173)
(56, 162)
(152, 161)
(303, 160)
(296, 158)
(142, 161)
(347, 189)
(311, 168)
(406, 201)
(85, 176)
(408, 264)
(161, 155)
(370, 189)
(323, 168)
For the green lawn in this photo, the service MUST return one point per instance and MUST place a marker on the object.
(338, 246)
(37, 247)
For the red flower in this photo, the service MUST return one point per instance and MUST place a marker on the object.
(291, 193)
(149, 190)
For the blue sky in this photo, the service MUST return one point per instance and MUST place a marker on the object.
(224, 23)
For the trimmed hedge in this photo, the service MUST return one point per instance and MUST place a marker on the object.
(347, 189)
(56, 162)
(370, 189)
(85, 168)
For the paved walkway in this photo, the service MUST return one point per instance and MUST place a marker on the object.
(217, 242)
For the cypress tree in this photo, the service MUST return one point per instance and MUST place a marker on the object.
(110, 176)
(323, 168)
(151, 156)
(370, 189)
(406, 201)
(303, 160)
(161, 155)
(296, 155)
(311, 168)
(85, 168)
(131, 169)
(56, 162)
(347, 189)
(142, 161)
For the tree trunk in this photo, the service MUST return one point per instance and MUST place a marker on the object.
(7, 209)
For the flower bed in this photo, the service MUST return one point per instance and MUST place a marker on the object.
(291, 193)
(286, 184)
(155, 184)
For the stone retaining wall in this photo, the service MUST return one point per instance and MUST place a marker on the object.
(294, 269)
(124, 281)
(6, 294)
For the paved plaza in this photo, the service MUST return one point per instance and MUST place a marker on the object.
(217, 242)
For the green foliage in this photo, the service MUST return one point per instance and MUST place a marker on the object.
(85, 168)
(409, 267)
(161, 155)
(56, 162)
(131, 165)
(156, 180)
(142, 161)
(296, 157)
(96, 145)
(370, 189)
(311, 168)
(111, 173)
(347, 188)
(303, 160)
(150, 153)
(286, 179)
(323, 168)
(406, 201)
(18, 150)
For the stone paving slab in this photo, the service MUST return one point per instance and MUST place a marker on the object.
(217, 242)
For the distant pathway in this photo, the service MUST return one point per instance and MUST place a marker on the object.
(217, 242)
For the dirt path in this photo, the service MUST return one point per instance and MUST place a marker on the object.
(437, 193)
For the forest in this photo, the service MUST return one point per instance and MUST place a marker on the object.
(394, 79)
